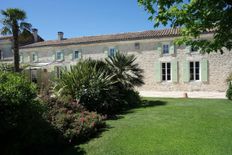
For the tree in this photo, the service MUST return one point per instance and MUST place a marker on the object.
(195, 17)
(13, 23)
(125, 71)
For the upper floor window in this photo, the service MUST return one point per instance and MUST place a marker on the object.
(34, 57)
(137, 46)
(165, 49)
(76, 54)
(59, 56)
(166, 71)
(194, 70)
(194, 49)
(112, 52)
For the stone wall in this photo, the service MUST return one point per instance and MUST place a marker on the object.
(219, 66)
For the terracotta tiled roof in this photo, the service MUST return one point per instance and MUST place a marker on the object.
(109, 38)
(5, 37)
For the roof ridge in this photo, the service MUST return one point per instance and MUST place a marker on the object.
(109, 37)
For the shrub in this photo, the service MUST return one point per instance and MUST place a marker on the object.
(229, 92)
(73, 120)
(91, 86)
(23, 130)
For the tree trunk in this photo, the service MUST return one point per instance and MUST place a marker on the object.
(15, 29)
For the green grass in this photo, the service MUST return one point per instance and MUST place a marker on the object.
(173, 127)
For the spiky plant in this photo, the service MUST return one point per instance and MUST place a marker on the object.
(125, 70)
(13, 23)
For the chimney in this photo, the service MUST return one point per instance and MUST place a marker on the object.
(35, 34)
(60, 35)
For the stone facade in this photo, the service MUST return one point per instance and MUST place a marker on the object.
(217, 68)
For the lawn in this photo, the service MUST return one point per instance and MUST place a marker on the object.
(168, 127)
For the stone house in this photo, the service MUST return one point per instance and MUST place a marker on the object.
(167, 67)
(6, 44)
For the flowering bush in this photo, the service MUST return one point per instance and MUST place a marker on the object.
(73, 120)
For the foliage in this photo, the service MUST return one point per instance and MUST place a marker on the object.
(102, 86)
(13, 22)
(72, 120)
(92, 87)
(229, 92)
(229, 78)
(23, 130)
(195, 17)
(125, 71)
(6, 67)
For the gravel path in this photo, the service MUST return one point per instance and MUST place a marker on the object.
(180, 94)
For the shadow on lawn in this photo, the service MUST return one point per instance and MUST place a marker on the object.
(76, 150)
(144, 104)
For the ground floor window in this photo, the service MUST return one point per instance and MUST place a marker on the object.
(34, 77)
(58, 72)
(166, 71)
(194, 70)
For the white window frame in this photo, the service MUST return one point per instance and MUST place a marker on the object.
(36, 58)
(194, 51)
(166, 71)
(137, 46)
(112, 48)
(58, 71)
(194, 71)
(74, 54)
(165, 44)
(59, 52)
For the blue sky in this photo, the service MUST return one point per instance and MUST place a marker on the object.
(82, 17)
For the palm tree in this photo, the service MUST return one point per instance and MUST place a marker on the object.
(13, 23)
(125, 70)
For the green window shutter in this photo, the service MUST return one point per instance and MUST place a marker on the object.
(172, 48)
(187, 49)
(27, 74)
(80, 54)
(106, 51)
(204, 70)
(52, 74)
(174, 66)
(39, 77)
(62, 56)
(159, 48)
(54, 56)
(158, 71)
(21, 58)
(71, 56)
(55, 71)
(186, 72)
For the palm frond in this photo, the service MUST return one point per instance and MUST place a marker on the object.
(25, 25)
(6, 31)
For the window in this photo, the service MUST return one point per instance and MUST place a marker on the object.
(166, 71)
(58, 71)
(165, 49)
(59, 55)
(76, 54)
(194, 49)
(34, 76)
(112, 52)
(194, 71)
(21, 58)
(0, 54)
(137, 46)
(34, 57)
